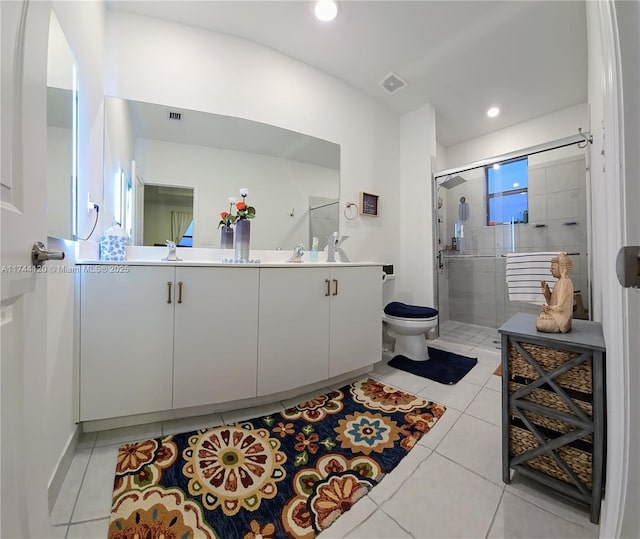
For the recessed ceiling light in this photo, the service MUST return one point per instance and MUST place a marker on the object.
(493, 112)
(326, 10)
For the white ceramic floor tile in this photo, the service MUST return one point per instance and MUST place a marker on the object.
(349, 520)
(61, 512)
(490, 358)
(93, 529)
(410, 383)
(457, 396)
(442, 500)
(487, 406)
(393, 480)
(288, 403)
(382, 367)
(476, 445)
(479, 374)
(495, 383)
(94, 500)
(455, 347)
(87, 440)
(58, 532)
(380, 526)
(433, 438)
(189, 424)
(250, 413)
(129, 434)
(551, 501)
(517, 518)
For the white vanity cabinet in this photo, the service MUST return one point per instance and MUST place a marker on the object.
(126, 340)
(316, 323)
(216, 335)
(157, 338)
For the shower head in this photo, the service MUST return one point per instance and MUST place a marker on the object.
(452, 182)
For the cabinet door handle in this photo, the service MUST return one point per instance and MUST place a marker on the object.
(169, 292)
(328, 282)
(179, 291)
(335, 282)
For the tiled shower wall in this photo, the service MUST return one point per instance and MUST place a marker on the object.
(472, 282)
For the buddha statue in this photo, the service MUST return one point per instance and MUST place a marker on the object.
(557, 313)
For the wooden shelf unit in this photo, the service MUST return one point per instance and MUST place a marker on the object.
(553, 407)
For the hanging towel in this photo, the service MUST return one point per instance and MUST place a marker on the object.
(524, 273)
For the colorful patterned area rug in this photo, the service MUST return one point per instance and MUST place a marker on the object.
(290, 474)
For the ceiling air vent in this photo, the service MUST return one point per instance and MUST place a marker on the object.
(392, 83)
(174, 115)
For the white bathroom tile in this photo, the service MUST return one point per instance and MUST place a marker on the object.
(288, 403)
(94, 500)
(86, 440)
(189, 424)
(487, 406)
(393, 480)
(382, 367)
(432, 438)
(350, 519)
(442, 499)
(57, 532)
(517, 518)
(244, 414)
(490, 358)
(479, 375)
(407, 382)
(380, 526)
(494, 383)
(563, 176)
(461, 348)
(476, 445)
(549, 500)
(61, 512)
(457, 396)
(93, 529)
(129, 434)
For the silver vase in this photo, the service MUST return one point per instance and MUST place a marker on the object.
(226, 237)
(243, 238)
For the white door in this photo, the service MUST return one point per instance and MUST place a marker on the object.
(23, 482)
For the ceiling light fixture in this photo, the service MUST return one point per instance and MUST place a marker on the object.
(326, 10)
(493, 112)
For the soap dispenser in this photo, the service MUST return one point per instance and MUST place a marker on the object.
(313, 255)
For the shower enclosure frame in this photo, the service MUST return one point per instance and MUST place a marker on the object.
(583, 138)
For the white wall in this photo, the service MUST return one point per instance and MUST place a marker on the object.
(162, 62)
(276, 187)
(415, 223)
(562, 123)
(83, 27)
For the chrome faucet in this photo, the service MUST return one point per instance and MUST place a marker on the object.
(171, 256)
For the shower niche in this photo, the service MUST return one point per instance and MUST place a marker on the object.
(482, 214)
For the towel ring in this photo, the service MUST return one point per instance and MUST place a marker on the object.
(348, 213)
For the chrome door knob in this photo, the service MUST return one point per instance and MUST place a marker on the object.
(40, 254)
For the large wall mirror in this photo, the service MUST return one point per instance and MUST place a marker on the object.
(161, 161)
(62, 100)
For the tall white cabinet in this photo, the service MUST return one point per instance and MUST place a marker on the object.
(155, 338)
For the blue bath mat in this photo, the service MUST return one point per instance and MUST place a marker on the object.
(444, 367)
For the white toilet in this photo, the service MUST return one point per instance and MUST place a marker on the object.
(408, 324)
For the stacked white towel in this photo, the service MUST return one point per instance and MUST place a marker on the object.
(524, 273)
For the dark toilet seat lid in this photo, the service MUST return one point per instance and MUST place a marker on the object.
(402, 310)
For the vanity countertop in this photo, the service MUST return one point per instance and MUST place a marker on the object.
(221, 264)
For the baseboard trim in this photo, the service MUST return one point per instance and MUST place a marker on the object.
(62, 467)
